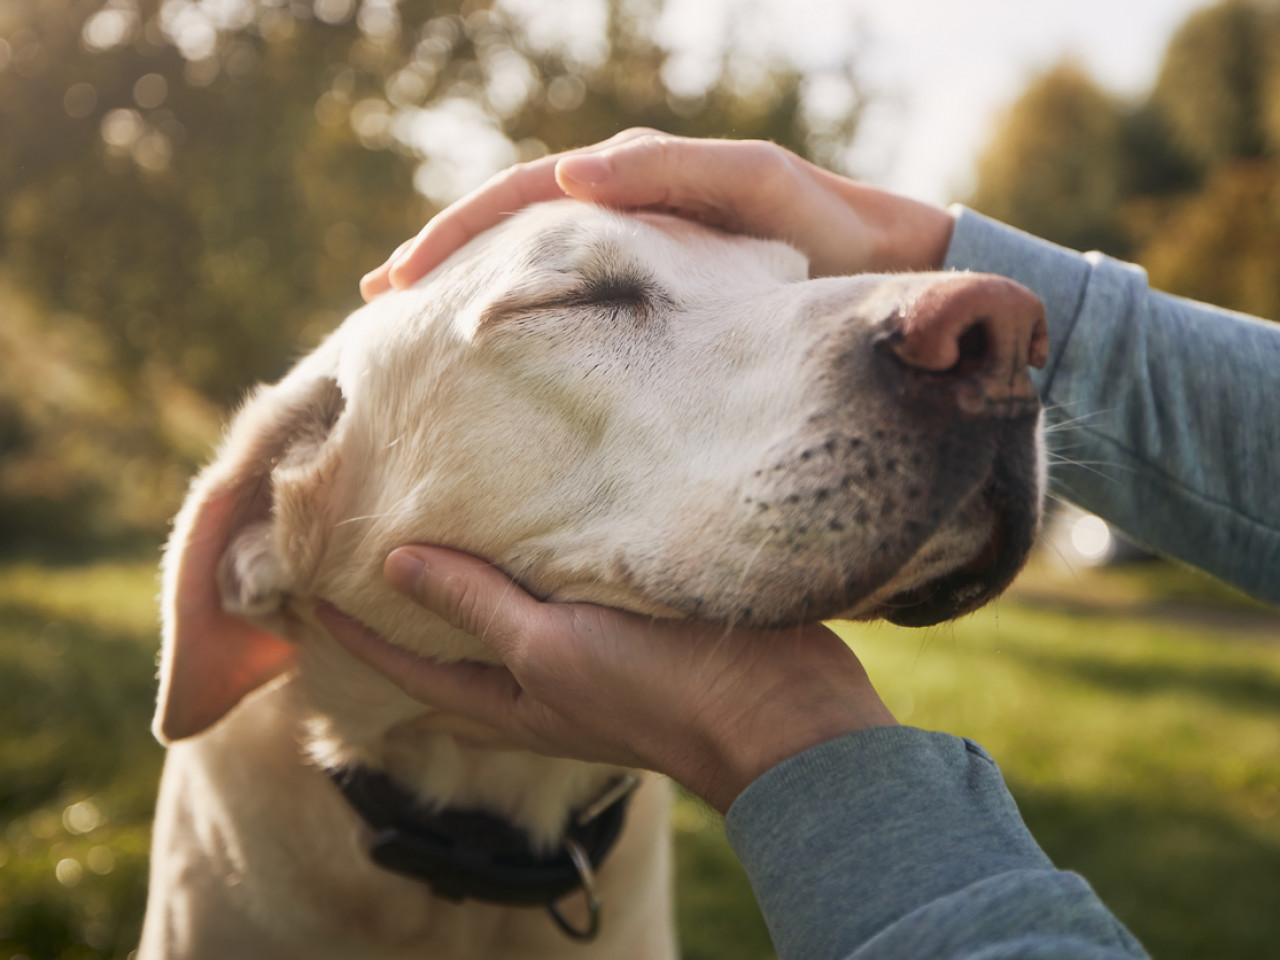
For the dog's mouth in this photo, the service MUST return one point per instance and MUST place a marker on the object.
(979, 579)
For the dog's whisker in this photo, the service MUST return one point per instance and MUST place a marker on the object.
(1091, 467)
(1075, 462)
(396, 509)
(361, 519)
(751, 559)
(1063, 426)
(393, 510)
(1064, 443)
(1049, 543)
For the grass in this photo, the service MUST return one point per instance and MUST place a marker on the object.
(78, 769)
(1136, 716)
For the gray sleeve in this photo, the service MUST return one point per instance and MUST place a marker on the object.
(1163, 413)
(896, 842)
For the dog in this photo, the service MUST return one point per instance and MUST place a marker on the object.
(626, 409)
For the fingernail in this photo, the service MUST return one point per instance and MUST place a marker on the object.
(588, 169)
(403, 569)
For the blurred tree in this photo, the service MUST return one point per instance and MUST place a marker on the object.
(1054, 166)
(1221, 244)
(1213, 81)
(1152, 164)
(193, 188)
(1184, 182)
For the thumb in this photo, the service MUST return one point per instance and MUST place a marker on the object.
(485, 207)
(467, 593)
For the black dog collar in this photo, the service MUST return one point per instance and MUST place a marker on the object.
(470, 854)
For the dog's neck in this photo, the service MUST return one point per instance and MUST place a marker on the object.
(351, 716)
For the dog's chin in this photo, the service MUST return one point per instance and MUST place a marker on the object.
(937, 592)
(999, 526)
(980, 578)
(956, 593)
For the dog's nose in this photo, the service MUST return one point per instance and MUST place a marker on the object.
(978, 332)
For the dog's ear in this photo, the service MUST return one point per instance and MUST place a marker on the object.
(227, 571)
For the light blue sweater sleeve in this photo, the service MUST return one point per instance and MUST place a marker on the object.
(897, 843)
(1163, 413)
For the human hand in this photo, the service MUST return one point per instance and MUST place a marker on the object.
(743, 186)
(713, 708)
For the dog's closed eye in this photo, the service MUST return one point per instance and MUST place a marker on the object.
(618, 294)
(629, 293)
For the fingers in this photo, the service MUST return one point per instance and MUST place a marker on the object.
(721, 182)
(745, 186)
(736, 184)
(503, 194)
(512, 189)
(467, 593)
(476, 690)
(378, 281)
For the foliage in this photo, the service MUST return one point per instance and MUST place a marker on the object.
(1056, 170)
(193, 188)
(1183, 182)
(1235, 219)
(1212, 86)
(1139, 739)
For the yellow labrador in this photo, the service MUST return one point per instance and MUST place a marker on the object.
(629, 410)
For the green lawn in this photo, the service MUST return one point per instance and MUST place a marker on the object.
(1136, 717)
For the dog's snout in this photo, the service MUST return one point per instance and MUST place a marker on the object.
(979, 333)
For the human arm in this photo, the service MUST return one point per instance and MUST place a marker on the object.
(900, 842)
(1163, 414)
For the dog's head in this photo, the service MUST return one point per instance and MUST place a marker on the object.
(631, 410)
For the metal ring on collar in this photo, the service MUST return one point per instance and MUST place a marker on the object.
(583, 864)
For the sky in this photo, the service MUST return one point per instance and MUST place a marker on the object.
(939, 72)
